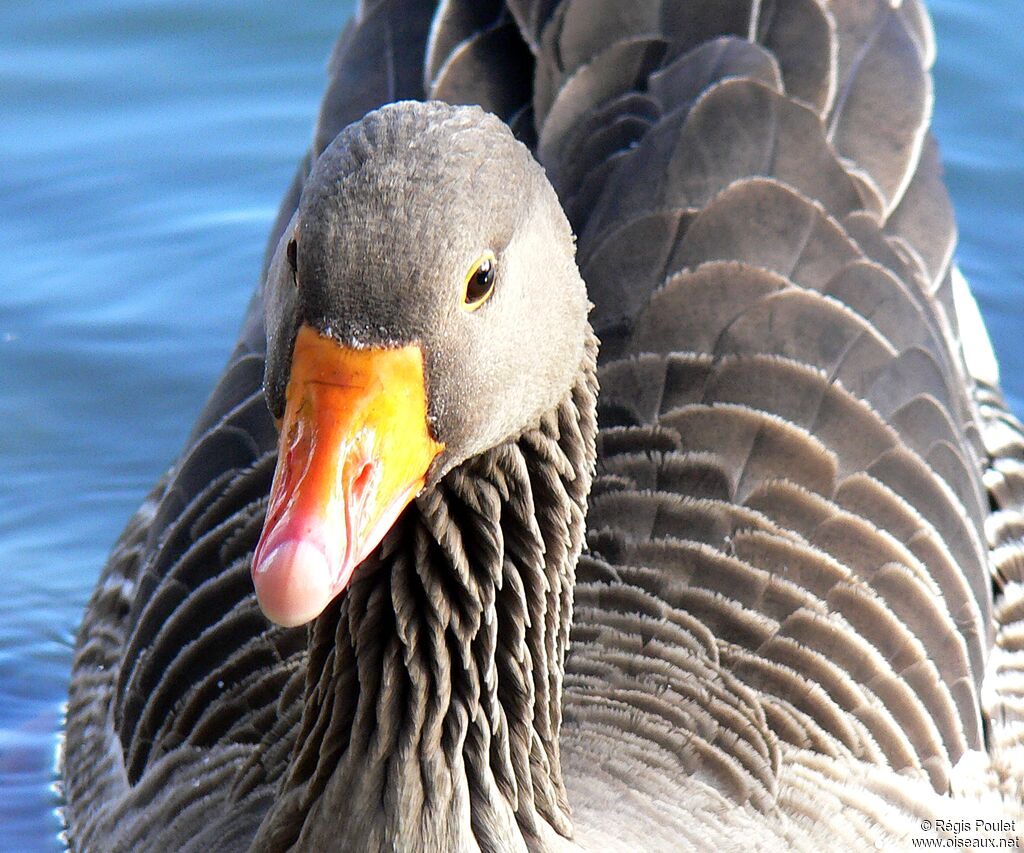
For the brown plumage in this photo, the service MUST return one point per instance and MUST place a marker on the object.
(795, 621)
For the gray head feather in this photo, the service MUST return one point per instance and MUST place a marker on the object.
(394, 215)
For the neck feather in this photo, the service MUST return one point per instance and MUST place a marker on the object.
(434, 685)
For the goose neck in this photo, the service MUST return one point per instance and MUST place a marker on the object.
(434, 685)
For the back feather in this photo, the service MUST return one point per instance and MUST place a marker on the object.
(791, 454)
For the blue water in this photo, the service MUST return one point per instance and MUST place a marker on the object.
(145, 146)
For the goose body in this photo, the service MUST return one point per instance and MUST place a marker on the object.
(746, 576)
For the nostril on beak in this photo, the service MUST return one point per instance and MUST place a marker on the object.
(363, 481)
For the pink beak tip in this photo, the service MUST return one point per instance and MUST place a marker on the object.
(293, 583)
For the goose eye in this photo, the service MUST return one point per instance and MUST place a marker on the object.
(292, 260)
(479, 284)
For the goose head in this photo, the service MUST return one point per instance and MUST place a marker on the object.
(423, 305)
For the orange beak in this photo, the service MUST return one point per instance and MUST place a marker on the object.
(354, 451)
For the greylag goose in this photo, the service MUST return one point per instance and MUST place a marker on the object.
(416, 584)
